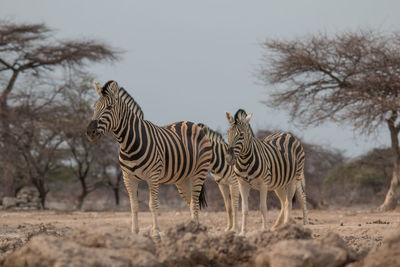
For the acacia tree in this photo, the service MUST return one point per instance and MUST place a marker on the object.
(37, 130)
(31, 50)
(351, 77)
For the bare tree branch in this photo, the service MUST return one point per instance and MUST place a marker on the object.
(351, 77)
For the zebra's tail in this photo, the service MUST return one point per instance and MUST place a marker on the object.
(202, 197)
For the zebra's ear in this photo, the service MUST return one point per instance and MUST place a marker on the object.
(248, 117)
(113, 90)
(98, 88)
(229, 117)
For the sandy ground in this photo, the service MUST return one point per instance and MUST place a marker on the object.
(362, 231)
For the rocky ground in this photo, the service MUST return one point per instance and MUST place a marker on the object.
(333, 238)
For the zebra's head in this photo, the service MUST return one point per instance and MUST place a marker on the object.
(104, 115)
(239, 135)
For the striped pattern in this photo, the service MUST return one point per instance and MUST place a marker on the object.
(275, 163)
(277, 160)
(179, 153)
(224, 175)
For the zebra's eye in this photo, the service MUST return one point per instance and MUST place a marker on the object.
(109, 107)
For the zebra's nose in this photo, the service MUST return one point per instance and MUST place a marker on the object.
(91, 129)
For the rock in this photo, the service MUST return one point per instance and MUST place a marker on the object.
(118, 239)
(291, 245)
(28, 192)
(333, 239)
(193, 246)
(190, 243)
(229, 249)
(264, 238)
(386, 255)
(296, 253)
(9, 202)
(53, 251)
(27, 199)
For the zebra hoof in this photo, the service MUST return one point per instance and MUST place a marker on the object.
(228, 229)
(273, 228)
(156, 237)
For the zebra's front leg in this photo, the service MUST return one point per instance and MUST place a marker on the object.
(263, 205)
(244, 189)
(131, 184)
(225, 195)
(153, 205)
(234, 190)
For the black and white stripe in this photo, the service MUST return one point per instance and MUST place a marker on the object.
(224, 175)
(179, 153)
(275, 163)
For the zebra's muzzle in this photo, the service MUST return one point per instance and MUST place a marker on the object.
(91, 131)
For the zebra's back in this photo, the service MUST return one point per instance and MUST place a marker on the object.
(174, 152)
(186, 151)
(286, 158)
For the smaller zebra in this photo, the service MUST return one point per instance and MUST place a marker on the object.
(275, 163)
(224, 176)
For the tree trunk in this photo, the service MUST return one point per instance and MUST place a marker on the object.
(116, 195)
(83, 194)
(393, 193)
(9, 165)
(81, 198)
(40, 186)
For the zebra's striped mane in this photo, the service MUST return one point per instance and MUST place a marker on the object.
(212, 135)
(125, 98)
(240, 115)
(130, 102)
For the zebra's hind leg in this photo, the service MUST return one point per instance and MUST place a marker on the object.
(281, 193)
(225, 195)
(263, 205)
(197, 183)
(244, 189)
(291, 189)
(185, 190)
(234, 190)
(131, 184)
(301, 197)
(153, 205)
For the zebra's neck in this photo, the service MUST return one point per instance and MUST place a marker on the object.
(248, 153)
(127, 100)
(130, 121)
(133, 136)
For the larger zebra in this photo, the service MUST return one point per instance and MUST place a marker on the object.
(179, 153)
(225, 176)
(276, 163)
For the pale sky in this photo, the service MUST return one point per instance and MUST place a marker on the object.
(195, 60)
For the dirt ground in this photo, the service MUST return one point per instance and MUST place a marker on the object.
(333, 238)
